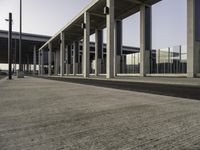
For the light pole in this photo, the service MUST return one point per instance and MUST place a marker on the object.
(10, 47)
(20, 37)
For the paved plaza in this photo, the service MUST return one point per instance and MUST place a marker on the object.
(39, 114)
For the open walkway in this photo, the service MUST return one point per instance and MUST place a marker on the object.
(39, 114)
(177, 87)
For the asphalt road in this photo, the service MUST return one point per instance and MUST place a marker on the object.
(182, 91)
(38, 114)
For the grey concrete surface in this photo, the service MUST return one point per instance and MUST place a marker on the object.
(162, 86)
(38, 114)
(159, 80)
(1, 77)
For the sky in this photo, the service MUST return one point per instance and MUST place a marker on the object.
(47, 17)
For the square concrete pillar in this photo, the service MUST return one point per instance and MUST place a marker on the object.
(98, 50)
(123, 64)
(118, 46)
(86, 45)
(68, 59)
(49, 58)
(42, 62)
(110, 24)
(62, 50)
(27, 64)
(34, 60)
(75, 57)
(193, 37)
(54, 60)
(145, 39)
(39, 62)
(57, 61)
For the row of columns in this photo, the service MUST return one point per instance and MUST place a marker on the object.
(193, 37)
(114, 44)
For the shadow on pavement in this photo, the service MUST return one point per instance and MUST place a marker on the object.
(182, 91)
(1, 77)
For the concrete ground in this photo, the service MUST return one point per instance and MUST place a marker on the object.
(1, 77)
(39, 114)
(189, 88)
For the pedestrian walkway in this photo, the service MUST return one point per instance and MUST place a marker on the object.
(177, 87)
(40, 114)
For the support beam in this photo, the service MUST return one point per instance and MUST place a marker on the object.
(49, 58)
(193, 37)
(34, 60)
(97, 15)
(134, 1)
(62, 50)
(86, 45)
(110, 21)
(118, 46)
(98, 50)
(145, 39)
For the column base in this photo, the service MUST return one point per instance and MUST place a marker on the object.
(117, 64)
(75, 69)
(145, 64)
(192, 75)
(98, 69)
(20, 74)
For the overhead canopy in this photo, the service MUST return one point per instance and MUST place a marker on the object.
(73, 30)
(28, 42)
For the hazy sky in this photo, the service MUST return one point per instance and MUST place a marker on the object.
(48, 16)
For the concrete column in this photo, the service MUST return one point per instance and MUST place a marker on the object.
(27, 64)
(145, 39)
(98, 50)
(193, 37)
(57, 63)
(39, 62)
(34, 60)
(118, 46)
(62, 50)
(75, 57)
(86, 45)
(110, 21)
(123, 65)
(54, 57)
(68, 59)
(65, 59)
(42, 62)
(49, 58)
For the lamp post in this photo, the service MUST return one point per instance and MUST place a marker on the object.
(20, 37)
(10, 47)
